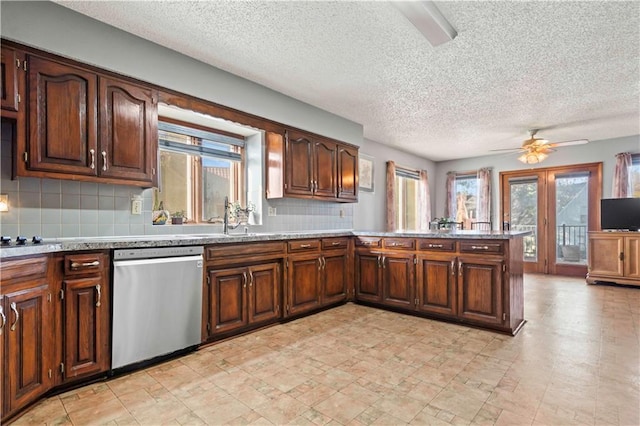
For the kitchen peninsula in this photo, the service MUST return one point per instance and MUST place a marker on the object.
(471, 278)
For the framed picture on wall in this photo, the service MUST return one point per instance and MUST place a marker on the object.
(365, 166)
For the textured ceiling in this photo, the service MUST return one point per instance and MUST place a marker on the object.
(571, 69)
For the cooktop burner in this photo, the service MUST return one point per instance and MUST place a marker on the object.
(20, 240)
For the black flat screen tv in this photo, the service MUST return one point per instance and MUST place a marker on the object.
(620, 213)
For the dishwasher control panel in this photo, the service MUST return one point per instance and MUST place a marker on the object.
(155, 252)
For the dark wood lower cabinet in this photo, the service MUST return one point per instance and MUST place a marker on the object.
(28, 346)
(437, 285)
(303, 283)
(335, 280)
(480, 290)
(398, 282)
(243, 296)
(367, 275)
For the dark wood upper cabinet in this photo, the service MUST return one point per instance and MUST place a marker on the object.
(347, 173)
(299, 165)
(9, 66)
(62, 118)
(324, 173)
(303, 165)
(128, 131)
(84, 125)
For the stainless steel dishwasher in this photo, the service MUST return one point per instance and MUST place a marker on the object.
(157, 302)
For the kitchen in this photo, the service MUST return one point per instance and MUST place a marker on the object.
(42, 216)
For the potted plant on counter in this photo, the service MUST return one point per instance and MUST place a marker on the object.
(178, 218)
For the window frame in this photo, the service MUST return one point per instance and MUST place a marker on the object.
(635, 169)
(238, 192)
(470, 175)
(406, 173)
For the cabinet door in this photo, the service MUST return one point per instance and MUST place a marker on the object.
(606, 255)
(335, 276)
(62, 118)
(86, 326)
(128, 131)
(299, 165)
(227, 295)
(264, 292)
(368, 286)
(28, 347)
(632, 256)
(398, 281)
(436, 284)
(303, 283)
(9, 83)
(480, 290)
(347, 174)
(325, 164)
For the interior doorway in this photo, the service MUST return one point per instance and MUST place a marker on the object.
(559, 205)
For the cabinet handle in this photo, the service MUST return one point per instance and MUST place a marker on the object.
(305, 245)
(435, 246)
(394, 244)
(244, 280)
(324, 262)
(4, 319)
(621, 257)
(479, 247)
(460, 267)
(99, 290)
(93, 158)
(384, 258)
(335, 243)
(453, 267)
(104, 161)
(250, 278)
(319, 263)
(14, 308)
(80, 265)
(379, 265)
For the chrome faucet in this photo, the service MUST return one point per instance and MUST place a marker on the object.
(225, 225)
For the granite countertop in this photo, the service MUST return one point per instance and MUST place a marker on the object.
(142, 241)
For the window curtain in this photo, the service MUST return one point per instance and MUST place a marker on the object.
(450, 206)
(424, 202)
(622, 176)
(484, 195)
(391, 196)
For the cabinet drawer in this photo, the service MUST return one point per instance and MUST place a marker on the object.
(481, 247)
(399, 243)
(437, 245)
(334, 243)
(235, 250)
(78, 264)
(368, 242)
(23, 268)
(304, 245)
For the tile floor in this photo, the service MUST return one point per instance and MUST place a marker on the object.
(576, 361)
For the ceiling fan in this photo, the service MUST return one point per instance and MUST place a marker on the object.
(535, 150)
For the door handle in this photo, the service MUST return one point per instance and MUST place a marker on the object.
(78, 265)
(4, 319)
(104, 161)
(14, 308)
(99, 291)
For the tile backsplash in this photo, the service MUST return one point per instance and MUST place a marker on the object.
(61, 208)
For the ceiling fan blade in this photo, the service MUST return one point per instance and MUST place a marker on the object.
(507, 150)
(569, 143)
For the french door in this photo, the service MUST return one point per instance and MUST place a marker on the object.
(559, 205)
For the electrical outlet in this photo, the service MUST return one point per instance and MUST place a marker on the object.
(271, 211)
(136, 206)
(341, 212)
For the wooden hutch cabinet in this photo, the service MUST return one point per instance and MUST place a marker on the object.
(614, 257)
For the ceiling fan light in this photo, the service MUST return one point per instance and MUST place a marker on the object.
(532, 157)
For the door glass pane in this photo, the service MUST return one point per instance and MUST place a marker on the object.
(572, 208)
(524, 213)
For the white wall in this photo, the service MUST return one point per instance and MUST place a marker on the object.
(370, 212)
(595, 151)
(54, 28)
